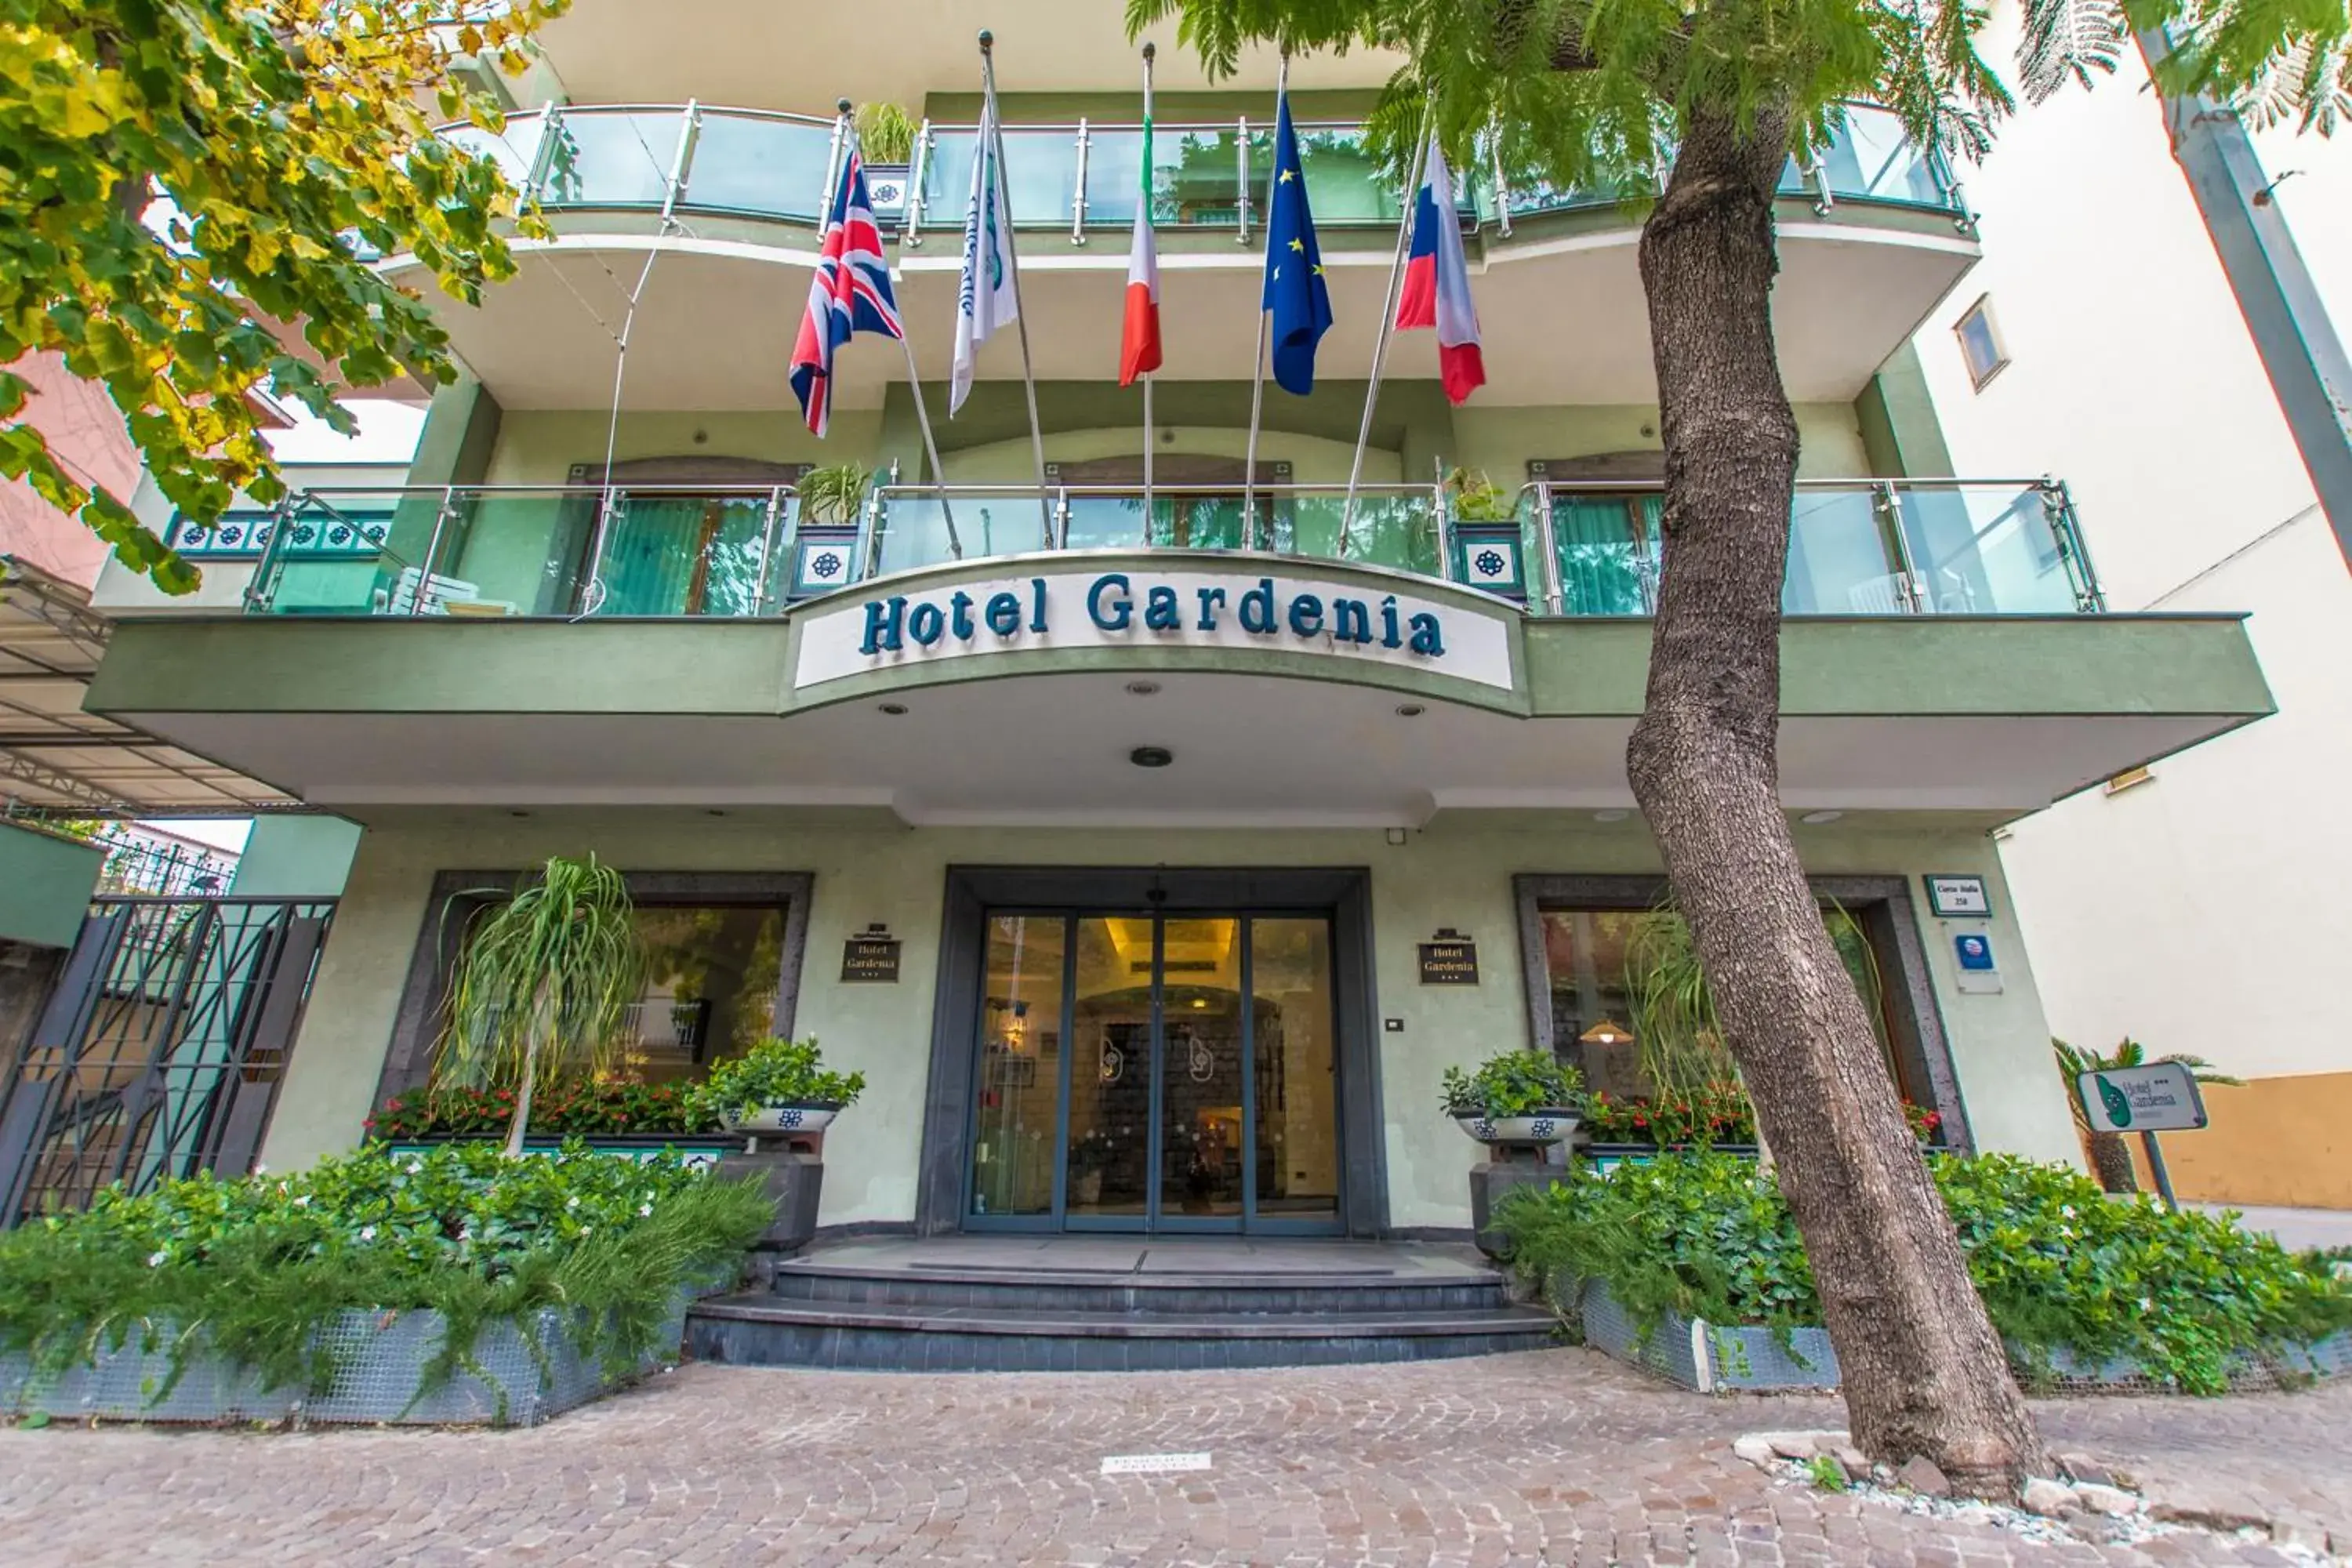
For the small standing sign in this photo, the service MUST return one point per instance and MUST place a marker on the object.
(2160, 1097)
(871, 957)
(1452, 958)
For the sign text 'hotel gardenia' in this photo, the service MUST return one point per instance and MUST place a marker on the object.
(1123, 609)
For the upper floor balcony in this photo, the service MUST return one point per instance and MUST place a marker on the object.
(1588, 549)
(687, 226)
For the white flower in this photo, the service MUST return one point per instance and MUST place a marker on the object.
(645, 1210)
(155, 1260)
(587, 1230)
(367, 1233)
(416, 1167)
(2068, 1210)
(260, 1170)
(303, 1202)
(574, 1202)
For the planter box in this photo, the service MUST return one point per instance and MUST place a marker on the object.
(1606, 1157)
(1712, 1358)
(381, 1358)
(699, 1151)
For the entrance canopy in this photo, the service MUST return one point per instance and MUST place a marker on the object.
(55, 755)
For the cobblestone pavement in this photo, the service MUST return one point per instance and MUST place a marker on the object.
(1556, 1456)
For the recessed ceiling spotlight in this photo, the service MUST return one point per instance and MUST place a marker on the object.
(896, 709)
(1142, 687)
(1411, 710)
(1151, 757)
(713, 810)
(1615, 813)
(1817, 818)
(517, 812)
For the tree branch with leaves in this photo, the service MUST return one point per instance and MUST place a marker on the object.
(185, 183)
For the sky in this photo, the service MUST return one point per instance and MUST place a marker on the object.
(388, 432)
(222, 833)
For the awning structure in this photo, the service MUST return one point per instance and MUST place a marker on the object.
(55, 757)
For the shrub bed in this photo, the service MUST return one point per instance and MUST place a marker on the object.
(584, 1110)
(2072, 1277)
(256, 1279)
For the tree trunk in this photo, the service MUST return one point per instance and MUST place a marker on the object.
(2111, 1161)
(1923, 1370)
(520, 1126)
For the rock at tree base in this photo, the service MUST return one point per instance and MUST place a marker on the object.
(1919, 1473)
(1753, 1449)
(2048, 1498)
(2105, 1500)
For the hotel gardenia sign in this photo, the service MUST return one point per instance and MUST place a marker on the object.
(1058, 611)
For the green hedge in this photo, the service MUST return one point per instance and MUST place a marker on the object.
(255, 1266)
(2058, 1262)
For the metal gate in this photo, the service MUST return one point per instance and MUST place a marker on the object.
(160, 1051)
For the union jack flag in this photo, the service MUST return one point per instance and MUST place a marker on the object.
(850, 293)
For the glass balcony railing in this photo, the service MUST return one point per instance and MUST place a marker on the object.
(1856, 547)
(1073, 177)
(574, 551)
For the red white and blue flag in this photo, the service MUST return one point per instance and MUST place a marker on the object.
(1437, 283)
(850, 293)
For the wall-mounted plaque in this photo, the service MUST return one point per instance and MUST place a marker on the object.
(1965, 897)
(1452, 958)
(871, 957)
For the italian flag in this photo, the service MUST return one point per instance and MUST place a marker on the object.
(1139, 339)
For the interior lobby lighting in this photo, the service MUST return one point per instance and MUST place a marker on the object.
(896, 709)
(1604, 1032)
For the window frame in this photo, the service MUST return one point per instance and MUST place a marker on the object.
(1981, 311)
(1915, 1017)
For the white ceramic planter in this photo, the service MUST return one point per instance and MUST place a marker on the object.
(784, 1119)
(1540, 1130)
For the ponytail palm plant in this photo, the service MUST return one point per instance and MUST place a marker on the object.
(543, 981)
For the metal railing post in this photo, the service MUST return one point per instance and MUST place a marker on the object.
(1061, 518)
(432, 550)
(832, 169)
(877, 519)
(687, 136)
(1823, 197)
(2058, 506)
(1555, 591)
(1889, 507)
(1079, 191)
(1242, 205)
(760, 600)
(256, 591)
(551, 140)
(1501, 183)
(910, 218)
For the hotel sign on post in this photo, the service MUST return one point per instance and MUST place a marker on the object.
(1451, 960)
(2159, 1098)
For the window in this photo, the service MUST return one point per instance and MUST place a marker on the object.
(1981, 342)
(710, 989)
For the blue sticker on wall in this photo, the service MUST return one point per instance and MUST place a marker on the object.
(1975, 952)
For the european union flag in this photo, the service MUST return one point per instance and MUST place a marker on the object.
(1294, 289)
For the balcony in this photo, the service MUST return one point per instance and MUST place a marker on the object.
(1869, 548)
(692, 210)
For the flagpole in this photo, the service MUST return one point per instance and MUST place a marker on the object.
(1143, 215)
(1388, 310)
(1013, 263)
(931, 448)
(1257, 363)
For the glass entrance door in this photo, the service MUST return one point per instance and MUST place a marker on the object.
(1146, 1072)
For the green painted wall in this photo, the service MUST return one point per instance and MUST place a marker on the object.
(295, 858)
(45, 885)
(868, 867)
(1897, 420)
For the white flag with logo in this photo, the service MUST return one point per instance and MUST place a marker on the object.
(985, 300)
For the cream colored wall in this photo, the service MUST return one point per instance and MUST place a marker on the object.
(539, 447)
(2177, 912)
(1501, 441)
(1456, 873)
(1312, 459)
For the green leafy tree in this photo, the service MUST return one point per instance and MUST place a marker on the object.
(185, 184)
(2111, 1158)
(1716, 94)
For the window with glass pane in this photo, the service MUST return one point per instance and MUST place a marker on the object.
(614, 158)
(709, 991)
(1296, 1047)
(1020, 1066)
(1608, 551)
(1629, 1006)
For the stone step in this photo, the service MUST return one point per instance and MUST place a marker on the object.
(1211, 1293)
(762, 1330)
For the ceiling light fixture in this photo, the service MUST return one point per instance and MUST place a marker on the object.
(896, 709)
(1142, 687)
(1151, 757)
(1411, 710)
(1615, 813)
(1818, 819)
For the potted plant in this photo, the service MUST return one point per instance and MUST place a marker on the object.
(778, 1086)
(542, 983)
(886, 133)
(831, 495)
(1522, 1098)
